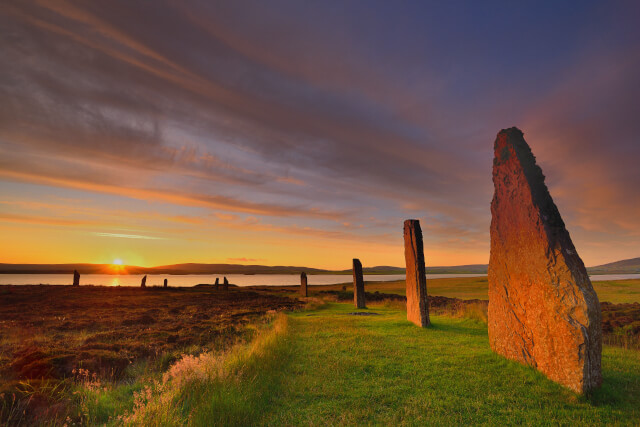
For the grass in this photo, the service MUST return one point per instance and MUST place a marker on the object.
(327, 367)
(383, 370)
(82, 352)
(320, 366)
(233, 387)
(618, 291)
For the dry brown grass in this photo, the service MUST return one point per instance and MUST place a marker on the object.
(49, 333)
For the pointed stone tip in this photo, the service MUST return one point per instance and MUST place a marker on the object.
(512, 131)
(511, 142)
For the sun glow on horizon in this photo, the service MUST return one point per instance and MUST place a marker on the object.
(117, 267)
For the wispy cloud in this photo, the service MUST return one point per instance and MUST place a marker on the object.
(127, 236)
(212, 114)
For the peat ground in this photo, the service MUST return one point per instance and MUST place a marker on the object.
(52, 337)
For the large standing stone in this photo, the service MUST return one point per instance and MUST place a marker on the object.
(358, 285)
(303, 284)
(416, 278)
(225, 283)
(76, 278)
(166, 282)
(143, 284)
(543, 310)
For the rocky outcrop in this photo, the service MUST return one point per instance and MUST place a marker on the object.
(303, 284)
(143, 284)
(358, 285)
(543, 310)
(416, 278)
(76, 278)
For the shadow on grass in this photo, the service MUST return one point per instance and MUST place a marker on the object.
(619, 390)
(462, 327)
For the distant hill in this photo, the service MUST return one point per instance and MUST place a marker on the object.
(627, 266)
(189, 268)
(195, 268)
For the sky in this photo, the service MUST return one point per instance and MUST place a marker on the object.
(305, 133)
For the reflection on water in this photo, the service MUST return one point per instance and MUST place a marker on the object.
(236, 279)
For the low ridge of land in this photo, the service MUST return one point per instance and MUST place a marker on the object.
(629, 266)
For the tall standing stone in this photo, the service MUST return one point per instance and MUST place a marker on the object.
(217, 283)
(225, 282)
(416, 277)
(143, 284)
(76, 278)
(166, 282)
(543, 310)
(303, 284)
(358, 285)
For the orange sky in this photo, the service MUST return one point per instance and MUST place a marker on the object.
(291, 133)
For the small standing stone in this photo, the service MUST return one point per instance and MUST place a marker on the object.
(166, 282)
(217, 283)
(416, 278)
(143, 284)
(303, 284)
(358, 285)
(226, 283)
(76, 278)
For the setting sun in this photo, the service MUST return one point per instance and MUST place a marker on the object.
(117, 261)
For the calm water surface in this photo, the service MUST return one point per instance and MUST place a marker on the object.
(236, 279)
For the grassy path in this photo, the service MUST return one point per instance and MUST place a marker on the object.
(343, 369)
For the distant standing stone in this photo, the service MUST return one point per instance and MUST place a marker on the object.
(166, 282)
(358, 285)
(76, 278)
(543, 310)
(303, 284)
(226, 283)
(416, 278)
(217, 283)
(143, 284)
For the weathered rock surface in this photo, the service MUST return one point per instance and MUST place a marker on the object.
(416, 279)
(303, 284)
(358, 285)
(76, 278)
(143, 284)
(543, 310)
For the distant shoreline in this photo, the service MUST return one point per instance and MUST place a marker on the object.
(630, 266)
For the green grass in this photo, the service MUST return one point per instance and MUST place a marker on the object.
(618, 291)
(326, 367)
(383, 370)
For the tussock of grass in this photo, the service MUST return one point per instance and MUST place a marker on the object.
(228, 388)
(474, 311)
(123, 336)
